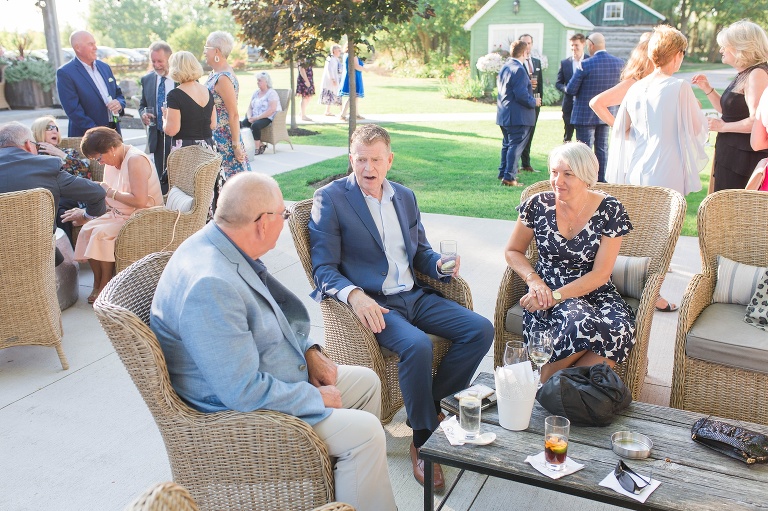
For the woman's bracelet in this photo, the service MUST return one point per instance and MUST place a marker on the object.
(710, 91)
(529, 274)
(114, 192)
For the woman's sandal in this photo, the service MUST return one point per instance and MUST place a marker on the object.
(261, 149)
(671, 307)
(92, 297)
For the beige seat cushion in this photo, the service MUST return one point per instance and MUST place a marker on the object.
(721, 336)
(514, 320)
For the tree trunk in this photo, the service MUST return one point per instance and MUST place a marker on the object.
(52, 39)
(351, 61)
(292, 93)
(714, 48)
(684, 15)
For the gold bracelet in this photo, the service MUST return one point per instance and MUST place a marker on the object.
(529, 274)
(114, 192)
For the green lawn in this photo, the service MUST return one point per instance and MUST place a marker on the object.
(452, 167)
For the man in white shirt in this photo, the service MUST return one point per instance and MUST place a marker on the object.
(367, 243)
(155, 86)
(87, 88)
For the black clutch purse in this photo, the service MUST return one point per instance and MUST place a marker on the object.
(734, 441)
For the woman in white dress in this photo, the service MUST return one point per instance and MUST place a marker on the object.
(331, 80)
(660, 131)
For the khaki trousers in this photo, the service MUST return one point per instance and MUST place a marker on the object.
(356, 442)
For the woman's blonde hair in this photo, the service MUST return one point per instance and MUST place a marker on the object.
(223, 41)
(638, 65)
(748, 41)
(184, 67)
(579, 157)
(665, 43)
(39, 125)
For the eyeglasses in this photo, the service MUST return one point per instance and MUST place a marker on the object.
(286, 214)
(590, 40)
(685, 52)
(51, 127)
(622, 473)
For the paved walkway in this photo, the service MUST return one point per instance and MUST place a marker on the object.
(83, 438)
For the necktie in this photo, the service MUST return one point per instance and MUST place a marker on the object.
(530, 66)
(160, 101)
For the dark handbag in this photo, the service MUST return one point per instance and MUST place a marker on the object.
(734, 441)
(586, 395)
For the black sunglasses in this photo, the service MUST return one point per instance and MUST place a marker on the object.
(622, 473)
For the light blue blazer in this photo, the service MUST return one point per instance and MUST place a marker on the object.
(345, 244)
(230, 341)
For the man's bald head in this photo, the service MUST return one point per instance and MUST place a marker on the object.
(84, 45)
(244, 197)
(598, 41)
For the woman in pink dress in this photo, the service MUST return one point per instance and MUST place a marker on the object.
(131, 183)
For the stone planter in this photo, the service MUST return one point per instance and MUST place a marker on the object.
(27, 94)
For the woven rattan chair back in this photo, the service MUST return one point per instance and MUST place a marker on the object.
(192, 169)
(227, 460)
(29, 308)
(167, 496)
(277, 131)
(3, 102)
(348, 341)
(657, 217)
(732, 224)
(335, 506)
(96, 168)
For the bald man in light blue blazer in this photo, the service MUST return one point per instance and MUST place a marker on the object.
(234, 338)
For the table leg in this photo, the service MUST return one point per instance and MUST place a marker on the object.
(429, 472)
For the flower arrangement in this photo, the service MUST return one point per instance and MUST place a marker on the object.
(490, 63)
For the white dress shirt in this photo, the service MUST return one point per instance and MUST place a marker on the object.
(97, 79)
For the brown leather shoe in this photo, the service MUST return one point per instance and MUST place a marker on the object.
(418, 470)
(514, 182)
(528, 168)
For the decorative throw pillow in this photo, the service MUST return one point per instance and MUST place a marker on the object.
(629, 274)
(178, 200)
(757, 310)
(736, 282)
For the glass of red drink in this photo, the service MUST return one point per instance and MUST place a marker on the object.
(556, 430)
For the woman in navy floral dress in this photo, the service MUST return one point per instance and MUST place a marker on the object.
(578, 233)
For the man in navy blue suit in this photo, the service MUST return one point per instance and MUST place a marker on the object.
(567, 68)
(367, 243)
(598, 73)
(535, 73)
(87, 88)
(515, 112)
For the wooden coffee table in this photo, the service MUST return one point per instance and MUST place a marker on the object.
(692, 476)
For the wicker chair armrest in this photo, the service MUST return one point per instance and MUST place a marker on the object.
(456, 289)
(697, 296)
(150, 230)
(511, 289)
(347, 340)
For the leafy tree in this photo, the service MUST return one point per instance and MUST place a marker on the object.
(297, 28)
(190, 37)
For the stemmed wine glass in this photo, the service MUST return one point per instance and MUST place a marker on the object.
(540, 349)
(514, 353)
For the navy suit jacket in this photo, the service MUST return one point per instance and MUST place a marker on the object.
(564, 75)
(81, 99)
(345, 245)
(20, 170)
(515, 105)
(598, 73)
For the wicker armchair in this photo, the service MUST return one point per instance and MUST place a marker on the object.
(96, 168)
(227, 460)
(3, 102)
(277, 130)
(193, 169)
(657, 216)
(732, 224)
(348, 341)
(335, 506)
(29, 307)
(164, 497)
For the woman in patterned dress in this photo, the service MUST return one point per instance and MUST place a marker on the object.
(224, 86)
(305, 86)
(329, 94)
(578, 234)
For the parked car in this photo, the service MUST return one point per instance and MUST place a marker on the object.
(105, 52)
(134, 57)
(142, 51)
(66, 53)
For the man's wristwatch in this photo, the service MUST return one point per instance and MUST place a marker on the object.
(557, 296)
(316, 347)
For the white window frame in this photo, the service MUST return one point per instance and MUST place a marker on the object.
(609, 6)
(504, 34)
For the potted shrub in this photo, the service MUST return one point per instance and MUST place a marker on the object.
(28, 82)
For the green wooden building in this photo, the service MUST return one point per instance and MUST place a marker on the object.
(550, 22)
(621, 22)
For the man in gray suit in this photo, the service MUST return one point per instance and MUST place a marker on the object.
(234, 338)
(21, 168)
(155, 86)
